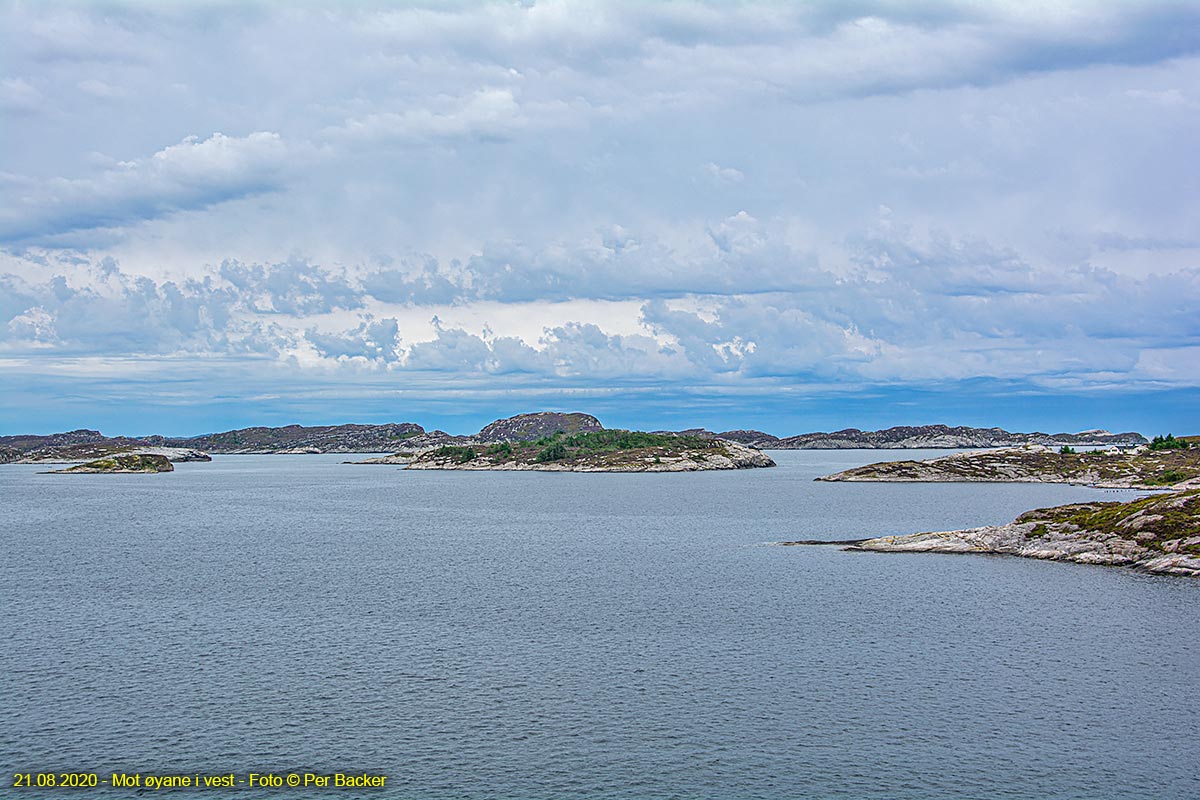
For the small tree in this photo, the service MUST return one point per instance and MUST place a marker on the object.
(1067, 450)
(501, 449)
(460, 455)
(553, 452)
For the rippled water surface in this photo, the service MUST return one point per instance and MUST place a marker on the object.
(523, 635)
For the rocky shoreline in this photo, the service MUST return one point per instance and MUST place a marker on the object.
(175, 455)
(594, 451)
(1158, 534)
(1103, 469)
(733, 457)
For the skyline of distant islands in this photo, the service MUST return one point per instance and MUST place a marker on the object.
(785, 217)
(391, 437)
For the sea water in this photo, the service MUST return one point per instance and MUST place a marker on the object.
(542, 635)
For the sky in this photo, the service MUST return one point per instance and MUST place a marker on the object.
(791, 217)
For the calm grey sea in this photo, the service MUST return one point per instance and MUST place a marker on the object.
(540, 636)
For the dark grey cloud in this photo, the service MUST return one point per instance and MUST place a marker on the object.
(188, 176)
(880, 46)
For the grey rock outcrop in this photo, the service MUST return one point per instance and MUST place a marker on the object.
(528, 427)
(74, 454)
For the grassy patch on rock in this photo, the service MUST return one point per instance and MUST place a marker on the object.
(1170, 523)
(123, 463)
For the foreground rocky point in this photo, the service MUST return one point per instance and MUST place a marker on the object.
(1158, 534)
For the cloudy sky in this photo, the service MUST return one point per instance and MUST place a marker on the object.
(784, 216)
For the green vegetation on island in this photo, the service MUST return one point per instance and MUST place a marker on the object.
(594, 451)
(1169, 442)
(123, 463)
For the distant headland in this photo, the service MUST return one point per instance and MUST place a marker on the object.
(1164, 463)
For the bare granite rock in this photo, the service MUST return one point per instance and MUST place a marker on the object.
(78, 453)
(82, 445)
(1158, 534)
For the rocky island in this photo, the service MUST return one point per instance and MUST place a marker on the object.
(588, 451)
(1158, 534)
(1140, 468)
(123, 463)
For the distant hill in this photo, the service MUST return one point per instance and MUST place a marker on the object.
(928, 436)
(301, 439)
(527, 427)
(393, 437)
(79, 445)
